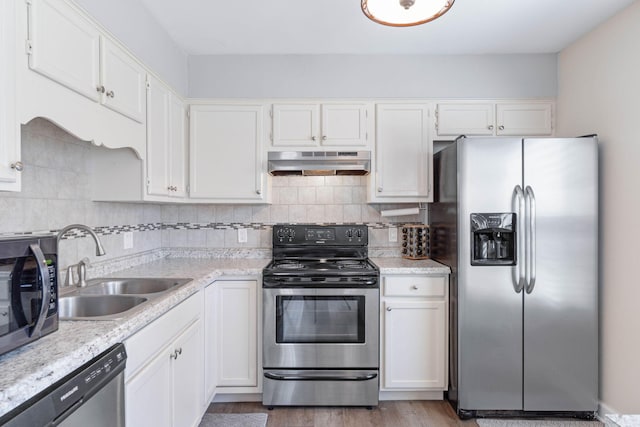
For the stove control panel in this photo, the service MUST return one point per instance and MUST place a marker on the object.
(320, 235)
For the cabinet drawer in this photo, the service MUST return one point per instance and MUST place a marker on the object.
(419, 286)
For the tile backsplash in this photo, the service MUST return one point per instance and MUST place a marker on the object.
(55, 192)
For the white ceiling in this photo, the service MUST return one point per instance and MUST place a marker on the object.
(212, 27)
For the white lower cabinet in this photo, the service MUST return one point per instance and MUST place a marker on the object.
(164, 374)
(414, 333)
(236, 310)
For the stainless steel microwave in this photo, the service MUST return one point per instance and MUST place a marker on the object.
(28, 289)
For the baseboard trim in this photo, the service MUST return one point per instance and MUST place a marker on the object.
(411, 395)
(237, 397)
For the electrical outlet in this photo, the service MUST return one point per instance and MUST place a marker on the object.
(128, 239)
(242, 235)
(393, 234)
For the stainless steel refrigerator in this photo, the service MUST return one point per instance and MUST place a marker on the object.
(516, 219)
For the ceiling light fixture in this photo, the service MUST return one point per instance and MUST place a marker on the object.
(405, 13)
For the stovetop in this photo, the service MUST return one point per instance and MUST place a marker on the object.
(307, 267)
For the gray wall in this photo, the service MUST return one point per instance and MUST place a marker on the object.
(136, 28)
(373, 76)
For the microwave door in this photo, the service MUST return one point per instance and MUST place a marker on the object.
(30, 291)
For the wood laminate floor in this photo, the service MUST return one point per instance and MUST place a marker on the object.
(414, 413)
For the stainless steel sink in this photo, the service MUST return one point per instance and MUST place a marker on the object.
(129, 286)
(97, 307)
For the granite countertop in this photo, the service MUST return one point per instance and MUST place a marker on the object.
(26, 371)
(395, 265)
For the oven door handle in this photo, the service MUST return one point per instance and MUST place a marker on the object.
(282, 377)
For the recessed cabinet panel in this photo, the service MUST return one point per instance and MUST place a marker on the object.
(157, 139)
(295, 125)
(402, 152)
(177, 147)
(9, 126)
(64, 47)
(524, 119)
(123, 80)
(344, 125)
(225, 146)
(465, 119)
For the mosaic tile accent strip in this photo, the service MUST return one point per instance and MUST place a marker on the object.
(119, 229)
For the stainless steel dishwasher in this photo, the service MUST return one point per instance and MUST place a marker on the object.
(92, 395)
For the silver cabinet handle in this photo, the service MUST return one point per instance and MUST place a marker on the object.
(313, 138)
(18, 166)
(501, 127)
(414, 287)
(379, 189)
(531, 261)
(258, 191)
(174, 355)
(490, 127)
(388, 308)
(519, 278)
(100, 89)
(324, 137)
(111, 94)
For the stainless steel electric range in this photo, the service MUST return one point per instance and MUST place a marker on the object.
(321, 318)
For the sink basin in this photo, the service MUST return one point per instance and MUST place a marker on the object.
(95, 307)
(136, 286)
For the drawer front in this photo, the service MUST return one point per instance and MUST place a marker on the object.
(418, 286)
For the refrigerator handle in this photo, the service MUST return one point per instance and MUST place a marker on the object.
(519, 271)
(531, 261)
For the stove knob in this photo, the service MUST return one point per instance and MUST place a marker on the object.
(280, 234)
(359, 234)
(349, 233)
(290, 233)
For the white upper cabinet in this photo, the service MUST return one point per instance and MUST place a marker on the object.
(402, 154)
(318, 126)
(69, 49)
(10, 164)
(166, 142)
(465, 119)
(524, 119)
(478, 119)
(225, 146)
(123, 80)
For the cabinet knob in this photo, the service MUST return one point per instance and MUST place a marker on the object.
(18, 166)
(100, 89)
(379, 189)
(313, 138)
(258, 191)
(490, 127)
(111, 94)
(388, 308)
(501, 127)
(414, 287)
(324, 137)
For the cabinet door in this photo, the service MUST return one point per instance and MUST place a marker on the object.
(124, 81)
(465, 119)
(237, 333)
(64, 46)
(148, 397)
(210, 343)
(187, 387)
(225, 143)
(344, 125)
(414, 344)
(177, 147)
(9, 125)
(296, 125)
(524, 119)
(158, 97)
(402, 151)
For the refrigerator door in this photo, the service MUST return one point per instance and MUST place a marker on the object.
(561, 308)
(489, 307)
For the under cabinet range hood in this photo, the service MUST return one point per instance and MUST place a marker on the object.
(319, 163)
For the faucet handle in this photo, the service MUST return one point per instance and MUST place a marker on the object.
(70, 280)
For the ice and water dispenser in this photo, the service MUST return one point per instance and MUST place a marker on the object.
(493, 239)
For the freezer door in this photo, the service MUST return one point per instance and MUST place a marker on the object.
(560, 312)
(489, 308)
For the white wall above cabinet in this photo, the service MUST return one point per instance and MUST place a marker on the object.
(487, 118)
(323, 126)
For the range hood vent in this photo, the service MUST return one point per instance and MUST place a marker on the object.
(319, 163)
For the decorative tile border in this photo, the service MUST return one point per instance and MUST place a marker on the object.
(155, 226)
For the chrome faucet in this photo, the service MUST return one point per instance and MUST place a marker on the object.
(82, 265)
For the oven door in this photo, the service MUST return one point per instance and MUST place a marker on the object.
(309, 328)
